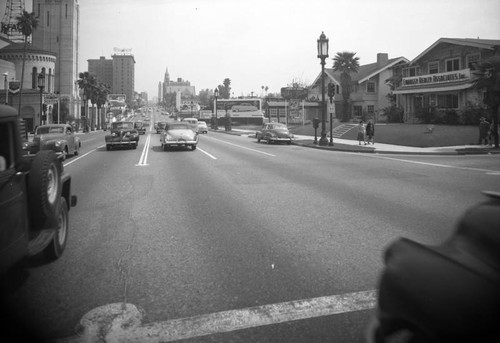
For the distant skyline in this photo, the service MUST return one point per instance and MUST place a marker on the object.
(267, 42)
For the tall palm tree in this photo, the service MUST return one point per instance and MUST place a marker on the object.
(226, 89)
(346, 63)
(26, 23)
(102, 95)
(487, 76)
(87, 84)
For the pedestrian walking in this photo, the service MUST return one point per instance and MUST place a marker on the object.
(361, 132)
(484, 127)
(370, 131)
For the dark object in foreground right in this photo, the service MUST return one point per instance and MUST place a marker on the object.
(445, 293)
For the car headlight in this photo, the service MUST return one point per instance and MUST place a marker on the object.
(26, 145)
(168, 137)
(58, 143)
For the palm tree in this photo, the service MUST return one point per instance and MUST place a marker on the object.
(102, 95)
(226, 89)
(346, 63)
(487, 77)
(26, 23)
(87, 84)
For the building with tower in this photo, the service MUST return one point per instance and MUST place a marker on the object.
(57, 32)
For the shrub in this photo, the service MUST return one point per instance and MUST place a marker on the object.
(393, 114)
(471, 114)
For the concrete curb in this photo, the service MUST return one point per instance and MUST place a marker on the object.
(373, 150)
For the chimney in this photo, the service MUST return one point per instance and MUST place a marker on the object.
(382, 59)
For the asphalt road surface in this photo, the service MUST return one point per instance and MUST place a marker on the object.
(238, 241)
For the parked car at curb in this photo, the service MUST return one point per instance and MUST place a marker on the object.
(274, 133)
(59, 138)
(178, 134)
(202, 127)
(35, 198)
(123, 134)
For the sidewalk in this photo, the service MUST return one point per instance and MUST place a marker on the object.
(380, 148)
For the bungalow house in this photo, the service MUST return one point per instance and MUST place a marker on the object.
(440, 78)
(370, 89)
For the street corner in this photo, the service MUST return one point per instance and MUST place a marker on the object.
(478, 151)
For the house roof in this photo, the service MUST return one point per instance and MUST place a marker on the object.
(365, 72)
(488, 44)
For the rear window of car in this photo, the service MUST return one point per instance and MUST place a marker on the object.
(178, 126)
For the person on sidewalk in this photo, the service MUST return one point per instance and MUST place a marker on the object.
(484, 127)
(361, 132)
(370, 131)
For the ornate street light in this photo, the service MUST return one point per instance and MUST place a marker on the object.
(216, 95)
(41, 85)
(323, 54)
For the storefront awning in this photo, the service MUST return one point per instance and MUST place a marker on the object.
(434, 89)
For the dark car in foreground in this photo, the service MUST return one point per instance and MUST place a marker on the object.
(274, 133)
(123, 134)
(178, 134)
(59, 138)
(35, 198)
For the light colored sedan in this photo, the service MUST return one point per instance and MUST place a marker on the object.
(202, 127)
(178, 134)
(57, 137)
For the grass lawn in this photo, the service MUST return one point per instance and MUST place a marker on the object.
(415, 135)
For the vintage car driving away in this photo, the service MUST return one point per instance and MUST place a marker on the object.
(178, 134)
(140, 127)
(59, 138)
(122, 134)
(202, 127)
(160, 126)
(35, 198)
(274, 132)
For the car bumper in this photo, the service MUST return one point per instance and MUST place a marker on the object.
(179, 143)
(280, 139)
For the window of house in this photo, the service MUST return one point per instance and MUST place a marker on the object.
(472, 59)
(358, 111)
(447, 100)
(371, 109)
(409, 72)
(337, 89)
(370, 87)
(433, 67)
(453, 64)
(48, 18)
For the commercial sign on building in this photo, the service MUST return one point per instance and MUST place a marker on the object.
(458, 75)
(50, 99)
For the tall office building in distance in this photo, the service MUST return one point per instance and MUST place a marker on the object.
(124, 73)
(102, 69)
(57, 32)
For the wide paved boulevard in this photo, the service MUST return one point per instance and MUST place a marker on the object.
(247, 242)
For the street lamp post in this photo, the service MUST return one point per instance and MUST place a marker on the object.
(323, 54)
(41, 85)
(216, 95)
(6, 85)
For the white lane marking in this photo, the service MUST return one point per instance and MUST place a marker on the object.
(143, 161)
(81, 156)
(243, 147)
(432, 164)
(206, 153)
(122, 322)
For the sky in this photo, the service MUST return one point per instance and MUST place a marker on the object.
(269, 43)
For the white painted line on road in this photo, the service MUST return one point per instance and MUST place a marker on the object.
(143, 161)
(432, 164)
(81, 156)
(122, 322)
(243, 147)
(206, 153)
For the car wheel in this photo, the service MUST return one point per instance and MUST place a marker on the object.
(108, 147)
(56, 247)
(44, 186)
(136, 144)
(164, 147)
(258, 139)
(268, 141)
(76, 151)
(193, 147)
